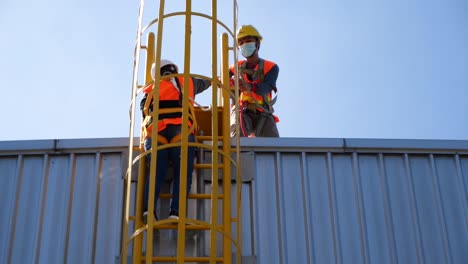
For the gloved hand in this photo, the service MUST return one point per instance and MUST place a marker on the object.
(244, 86)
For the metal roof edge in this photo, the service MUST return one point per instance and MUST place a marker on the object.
(290, 144)
(27, 144)
(423, 144)
(59, 145)
(246, 144)
(352, 144)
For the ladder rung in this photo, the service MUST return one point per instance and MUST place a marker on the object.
(187, 227)
(186, 259)
(207, 166)
(208, 138)
(193, 196)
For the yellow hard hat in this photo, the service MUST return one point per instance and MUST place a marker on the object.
(248, 30)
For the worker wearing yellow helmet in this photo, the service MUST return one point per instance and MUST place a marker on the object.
(257, 83)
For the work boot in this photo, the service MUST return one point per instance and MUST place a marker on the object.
(173, 214)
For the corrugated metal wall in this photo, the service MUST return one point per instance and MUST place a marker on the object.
(360, 201)
(310, 201)
(61, 201)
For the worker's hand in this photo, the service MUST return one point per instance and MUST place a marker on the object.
(232, 82)
(244, 86)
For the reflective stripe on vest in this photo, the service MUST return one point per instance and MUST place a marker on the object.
(257, 74)
(169, 99)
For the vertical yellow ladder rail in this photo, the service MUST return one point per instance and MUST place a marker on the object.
(227, 98)
(154, 143)
(128, 175)
(214, 151)
(185, 133)
(137, 254)
(227, 212)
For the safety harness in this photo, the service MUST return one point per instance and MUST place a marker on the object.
(264, 108)
(167, 109)
(259, 74)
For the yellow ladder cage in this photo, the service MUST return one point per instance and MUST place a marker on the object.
(222, 231)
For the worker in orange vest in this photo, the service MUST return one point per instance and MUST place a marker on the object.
(169, 130)
(257, 83)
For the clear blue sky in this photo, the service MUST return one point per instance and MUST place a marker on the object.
(348, 69)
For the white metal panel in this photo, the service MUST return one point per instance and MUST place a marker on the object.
(361, 204)
(9, 165)
(109, 211)
(310, 201)
(83, 209)
(61, 205)
(28, 210)
(55, 210)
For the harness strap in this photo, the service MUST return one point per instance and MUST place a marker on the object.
(168, 109)
(167, 113)
(162, 140)
(260, 74)
(256, 74)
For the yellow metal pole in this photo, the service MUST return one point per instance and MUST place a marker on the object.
(154, 142)
(237, 144)
(227, 249)
(215, 139)
(214, 181)
(185, 134)
(150, 52)
(128, 181)
(137, 252)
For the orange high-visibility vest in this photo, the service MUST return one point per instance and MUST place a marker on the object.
(252, 97)
(169, 97)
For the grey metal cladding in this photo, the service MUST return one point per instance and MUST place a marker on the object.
(60, 206)
(304, 201)
(376, 206)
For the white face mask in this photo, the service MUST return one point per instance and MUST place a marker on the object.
(247, 49)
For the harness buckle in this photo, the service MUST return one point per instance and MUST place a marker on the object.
(252, 107)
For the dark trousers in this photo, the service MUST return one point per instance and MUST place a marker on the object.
(258, 123)
(164, 158)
